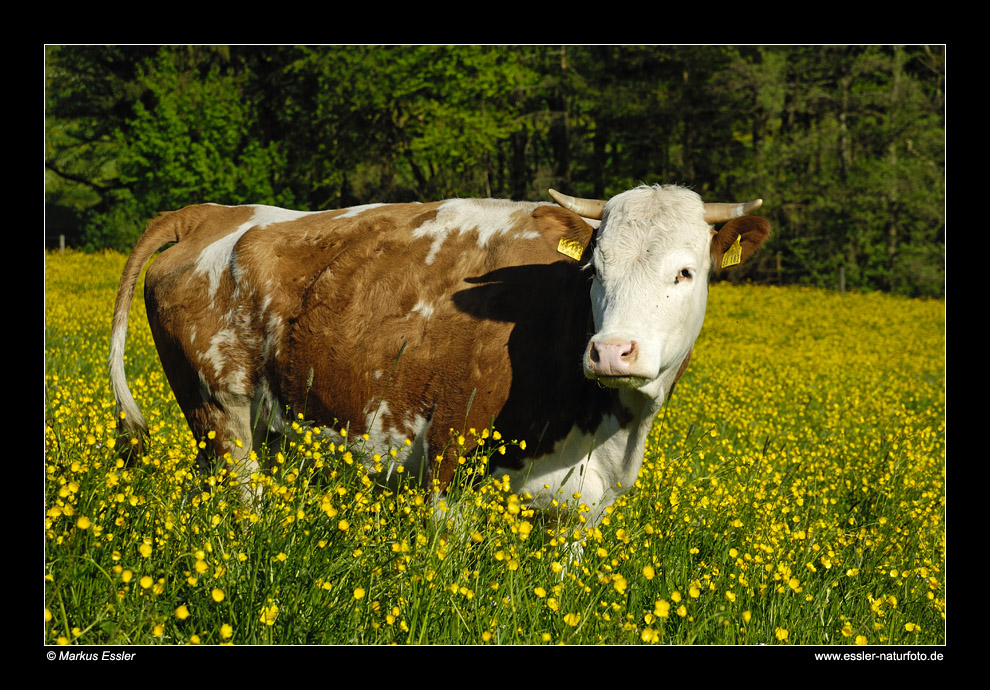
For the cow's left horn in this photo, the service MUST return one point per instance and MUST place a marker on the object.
(587, 208)
(720, 213)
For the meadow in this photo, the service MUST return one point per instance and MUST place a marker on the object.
(793, 494)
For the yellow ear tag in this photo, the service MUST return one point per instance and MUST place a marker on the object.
(733, 255)
(571, 248)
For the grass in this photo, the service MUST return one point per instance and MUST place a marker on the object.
(793, 494)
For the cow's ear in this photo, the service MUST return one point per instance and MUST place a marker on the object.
(737, 240)
(565, 231)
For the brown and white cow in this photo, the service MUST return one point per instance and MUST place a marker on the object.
(408, 320)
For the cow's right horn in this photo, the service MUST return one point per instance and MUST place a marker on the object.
(720, 213)
(587, 208)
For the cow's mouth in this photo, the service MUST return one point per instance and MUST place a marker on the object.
(618, 381)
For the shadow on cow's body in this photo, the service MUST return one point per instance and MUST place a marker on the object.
(548, 309)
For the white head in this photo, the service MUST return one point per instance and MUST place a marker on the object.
(652, 257)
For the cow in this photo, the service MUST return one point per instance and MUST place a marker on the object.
(562, 325)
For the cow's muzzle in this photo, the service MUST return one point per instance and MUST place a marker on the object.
(613, 363)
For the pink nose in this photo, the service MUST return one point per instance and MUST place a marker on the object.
(612, 357)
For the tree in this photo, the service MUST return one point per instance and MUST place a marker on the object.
(845, 143)
(181, 133)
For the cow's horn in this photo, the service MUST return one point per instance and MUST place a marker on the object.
(587, 208)
(720, 213)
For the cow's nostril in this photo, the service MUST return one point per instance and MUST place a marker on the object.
(613, 357)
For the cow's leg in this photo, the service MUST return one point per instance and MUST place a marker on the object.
(220, 420)
(224, 434)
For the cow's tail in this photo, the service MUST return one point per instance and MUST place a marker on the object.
(129, 418)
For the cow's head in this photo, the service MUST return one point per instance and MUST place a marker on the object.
(651, 259)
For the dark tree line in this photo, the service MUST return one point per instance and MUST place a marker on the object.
(845, 143)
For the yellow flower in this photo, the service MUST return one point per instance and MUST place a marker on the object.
(145, 550)
(269, 614)
(572, 619)
(861, 639)
(661, 609)
(83, 522)
(649, 635)
(226, 632)
(648, 572)
(182, 612)
(146, 581)
(540, 592)
(217, 595)
(781, 634)
(359, 593)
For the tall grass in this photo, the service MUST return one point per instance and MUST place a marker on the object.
(793, 493)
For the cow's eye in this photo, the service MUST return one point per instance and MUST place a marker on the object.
(685, 274)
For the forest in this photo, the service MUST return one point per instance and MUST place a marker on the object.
(845, 143)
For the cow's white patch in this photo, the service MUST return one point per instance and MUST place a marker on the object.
(588, 470)
(486, 217)
(402, 446)
(274, 328)
(214, 355)
(355, 210)
(424, 309)
(216, 257)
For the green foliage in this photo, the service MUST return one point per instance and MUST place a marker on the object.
(845, 143)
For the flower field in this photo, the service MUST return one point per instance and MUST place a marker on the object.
(793, 494)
